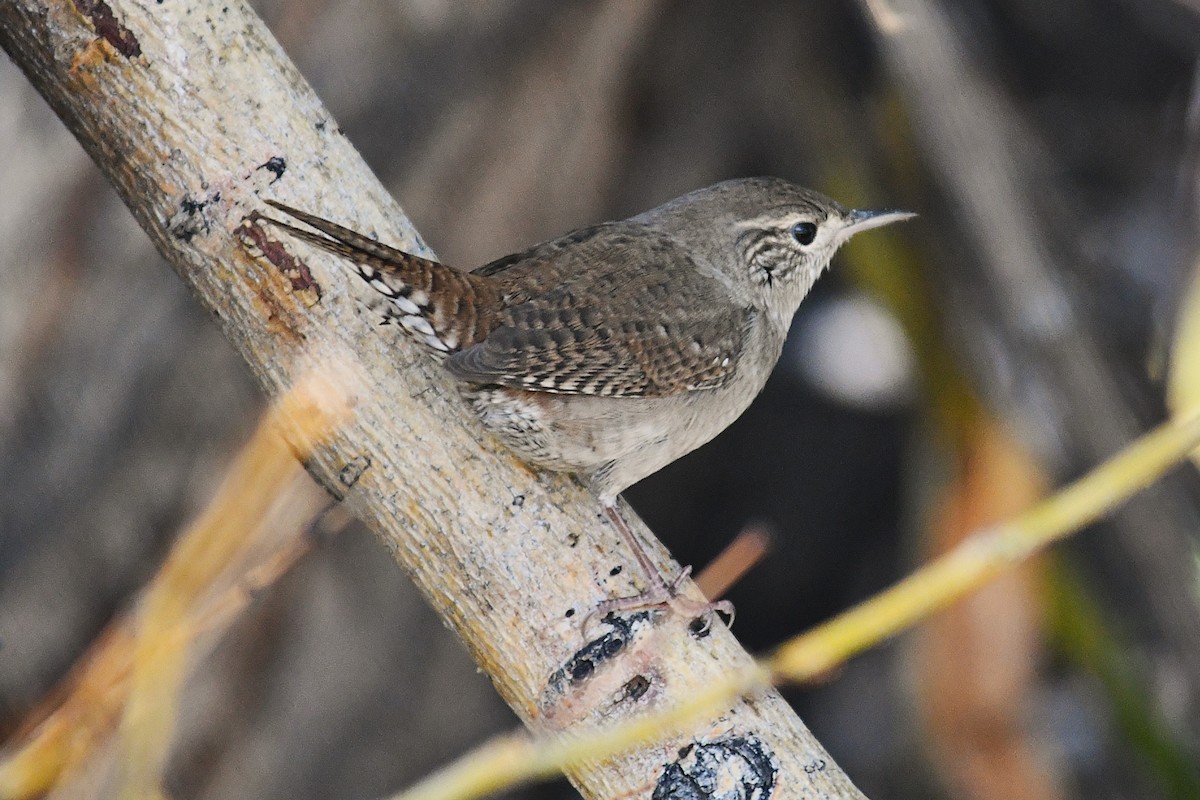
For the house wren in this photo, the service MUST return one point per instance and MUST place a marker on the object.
(611, 351)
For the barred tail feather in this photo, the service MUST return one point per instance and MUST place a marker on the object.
(443, 307)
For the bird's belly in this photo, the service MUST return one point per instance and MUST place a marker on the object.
(613, 441)
(569, 433)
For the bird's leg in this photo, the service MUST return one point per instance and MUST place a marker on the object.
(657, 584)
(659, 593)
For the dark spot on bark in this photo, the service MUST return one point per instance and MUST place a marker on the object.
(732, 768)
(615, 570)
(519, 500)
(584, 663)
(637, 686)
(191, 221)
(352, 471)
(275, 165)
(321, 125)
(581, 671)
(570, 613)
(109, 28)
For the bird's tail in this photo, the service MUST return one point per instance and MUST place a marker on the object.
(443, 307)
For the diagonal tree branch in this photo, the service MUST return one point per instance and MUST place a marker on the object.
(193, 112)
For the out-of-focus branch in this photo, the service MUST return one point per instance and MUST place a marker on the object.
(193, 111)
(248, 535)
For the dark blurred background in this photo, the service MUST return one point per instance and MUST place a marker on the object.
(945, 374)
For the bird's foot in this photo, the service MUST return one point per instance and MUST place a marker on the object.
(660, 595)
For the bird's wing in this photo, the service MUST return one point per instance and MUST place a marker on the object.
(626, 314)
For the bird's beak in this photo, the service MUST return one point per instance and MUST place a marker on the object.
(859, 221)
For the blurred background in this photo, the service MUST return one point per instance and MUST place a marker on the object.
(947, 373)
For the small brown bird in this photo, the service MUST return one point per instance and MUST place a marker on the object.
(613, 350)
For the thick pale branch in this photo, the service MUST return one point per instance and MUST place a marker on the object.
(194, 113)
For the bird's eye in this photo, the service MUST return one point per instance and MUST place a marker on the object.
(804, 232)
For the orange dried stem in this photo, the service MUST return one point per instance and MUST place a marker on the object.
(140, 671)
(262, 471)
(739, 557)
